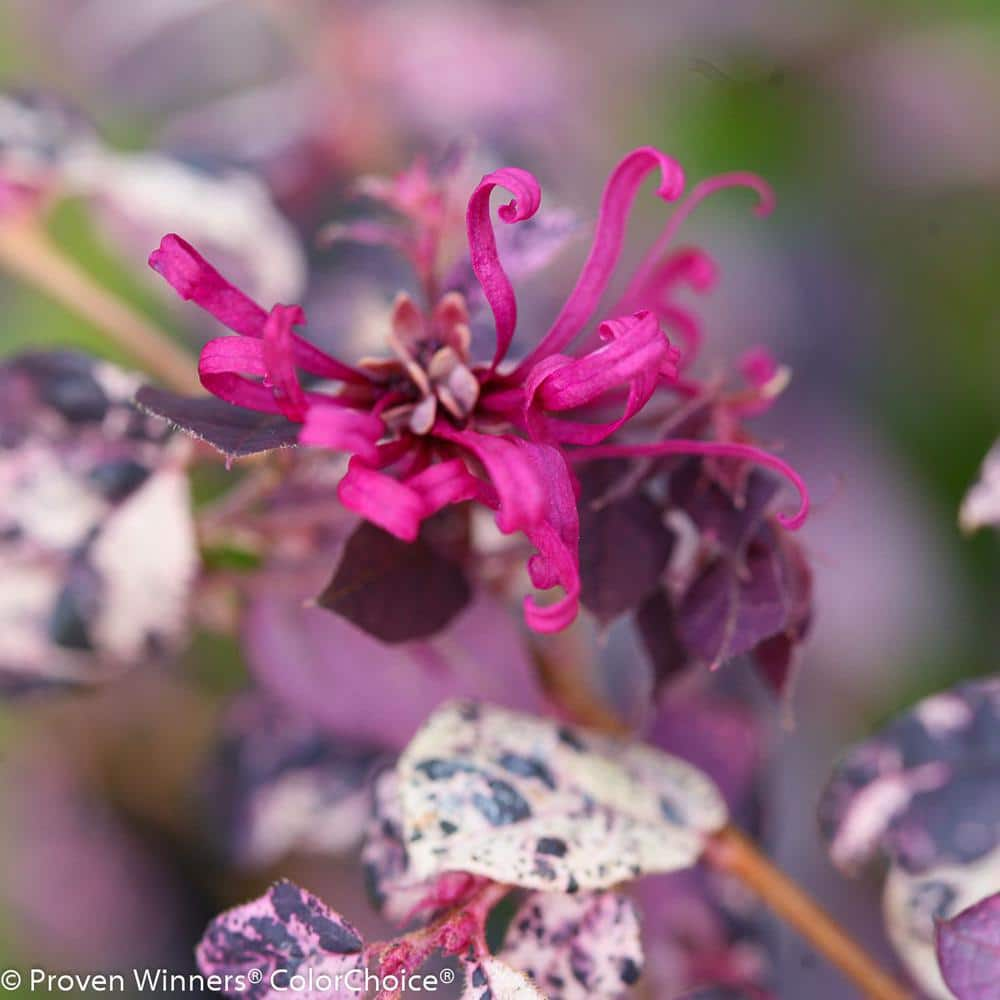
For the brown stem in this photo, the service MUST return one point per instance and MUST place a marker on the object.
(27, 252)
(730, 851)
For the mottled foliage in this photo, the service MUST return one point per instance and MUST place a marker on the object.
(278, 784)
(285, 932)
(576, 947)
(529, 802)
(88, 588)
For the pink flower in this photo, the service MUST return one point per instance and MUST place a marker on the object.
(429, 426)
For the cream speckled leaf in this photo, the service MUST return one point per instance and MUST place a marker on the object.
(981, 505)
(576, 947)
(490, 979)
(531, 802)
(913, 902)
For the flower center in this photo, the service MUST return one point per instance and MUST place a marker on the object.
(430, 367)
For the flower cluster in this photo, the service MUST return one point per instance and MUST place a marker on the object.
(430, 426)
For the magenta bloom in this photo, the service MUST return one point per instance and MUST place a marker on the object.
(429, 426)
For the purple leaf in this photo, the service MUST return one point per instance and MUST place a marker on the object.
(731, 607)
(730, 522)
(776, 656)
(656, 622)
(968, 949)
(575, 947)
(891, 791)
(301, 654)
(234, 431)
(395, 591)
(286, 932)
(624, 548)
(279, 784)
(529, 802)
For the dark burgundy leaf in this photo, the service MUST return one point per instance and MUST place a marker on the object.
(775, 657)
(232, 430)
(395, 590)
(657, 625)
(968, 950)
(624, 548)
(732, 606)
(731, 522)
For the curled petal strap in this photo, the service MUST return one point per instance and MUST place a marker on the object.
(557, 538)
(222, 366)
(384, 501)
(721, 449)
(194, 279)
(634, 346)
(616, 203)
(702, 190)
(483, 245)
(341, 429)
(520, 492)
(279, 362)
(637, 354)
(447, 483)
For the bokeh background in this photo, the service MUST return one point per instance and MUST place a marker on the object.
(875, 280)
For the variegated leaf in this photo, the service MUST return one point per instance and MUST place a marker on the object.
(490, 979)
(575, 947)
(87, 588)
(527, 801)
(915, 903)
(920, 789)
(981, 505)
(286, 932)
(280, 784)
(397, 894)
